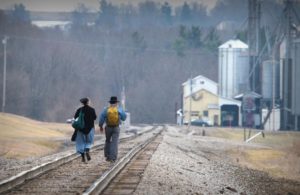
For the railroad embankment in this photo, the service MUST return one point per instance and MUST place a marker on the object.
(22, 137)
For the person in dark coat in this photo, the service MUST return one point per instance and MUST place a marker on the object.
(85, 136)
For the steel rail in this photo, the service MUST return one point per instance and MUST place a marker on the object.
(100, 184)
(14, 181)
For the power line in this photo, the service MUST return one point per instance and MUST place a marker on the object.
(241, 27)
(105, 46)
(264, 47)
(4, 41)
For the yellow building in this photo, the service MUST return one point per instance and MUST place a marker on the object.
(204, 105)
(204, 101)
(201, 101)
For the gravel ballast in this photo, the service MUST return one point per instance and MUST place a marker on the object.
(189, 164)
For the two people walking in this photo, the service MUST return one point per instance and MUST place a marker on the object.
(112, 117)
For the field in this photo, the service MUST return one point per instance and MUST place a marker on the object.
(21, 137)
(278, 153)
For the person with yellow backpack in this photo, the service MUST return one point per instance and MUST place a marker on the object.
(112, 117)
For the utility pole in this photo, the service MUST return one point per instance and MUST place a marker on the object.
(191, 91)
(286, 65)
(253, 40)
(123, 98)
(4, 41)
(273, 91)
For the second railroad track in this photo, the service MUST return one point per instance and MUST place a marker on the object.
(75, 177)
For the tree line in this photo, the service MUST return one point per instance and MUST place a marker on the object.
(149, 50)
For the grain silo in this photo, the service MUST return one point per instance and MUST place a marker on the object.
(233, 68)
(296, 84)
(270, 79)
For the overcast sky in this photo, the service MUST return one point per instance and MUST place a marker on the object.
(70, 5)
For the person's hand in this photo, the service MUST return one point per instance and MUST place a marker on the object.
(101, 129)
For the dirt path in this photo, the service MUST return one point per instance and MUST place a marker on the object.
(189, 164)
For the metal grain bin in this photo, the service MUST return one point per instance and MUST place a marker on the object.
(233, 68)
(268, 77)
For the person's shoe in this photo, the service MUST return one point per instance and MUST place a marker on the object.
(88, 157)
(82, 157)
(112, 161)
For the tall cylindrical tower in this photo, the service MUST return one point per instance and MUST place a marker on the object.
(233, 68)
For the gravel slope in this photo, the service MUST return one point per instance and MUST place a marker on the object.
(186, 164)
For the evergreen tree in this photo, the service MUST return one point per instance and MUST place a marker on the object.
(80, 16)
(20, 14)
(199, 15)
(148, 12)
(183, 32)
(166, 12)
(107, 14)
(148, 8)
(185, 15)
(127, 14)
(212, 40)
(192, 37)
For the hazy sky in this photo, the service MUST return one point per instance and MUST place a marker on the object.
(70, 5)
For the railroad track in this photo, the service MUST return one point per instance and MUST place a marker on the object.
(125, 176)
(69, 175)
(126, 181)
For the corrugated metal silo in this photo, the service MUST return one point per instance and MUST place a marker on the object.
(233, 68)
(267, 78)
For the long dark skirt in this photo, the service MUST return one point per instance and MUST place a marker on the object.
(84, 141)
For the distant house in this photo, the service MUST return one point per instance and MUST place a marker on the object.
(200, 97)
(201, 101)
(62, 20)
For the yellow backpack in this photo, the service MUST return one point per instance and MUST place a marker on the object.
(112, 116)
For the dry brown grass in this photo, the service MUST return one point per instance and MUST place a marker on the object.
(21, 137)
(278, 153)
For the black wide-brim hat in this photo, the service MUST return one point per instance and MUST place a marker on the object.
(113, 100)
(84, 100)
